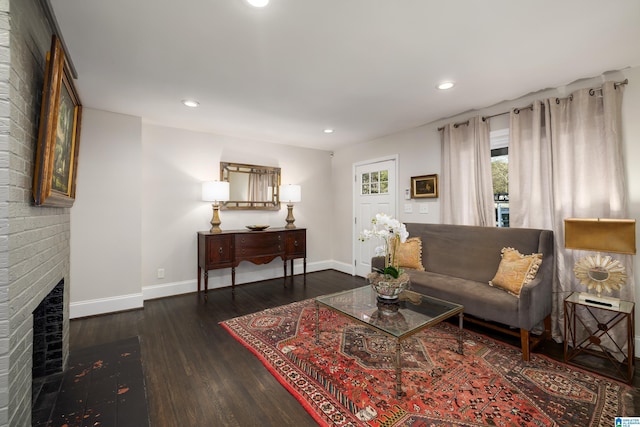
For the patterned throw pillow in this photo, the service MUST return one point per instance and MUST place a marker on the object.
(515, 270)
(409, 253)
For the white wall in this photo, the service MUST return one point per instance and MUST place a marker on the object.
(175, 162)
(419, 154)
(138, 209)
(631, 138)
(106, 216)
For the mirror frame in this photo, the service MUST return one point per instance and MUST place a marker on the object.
(271, 205)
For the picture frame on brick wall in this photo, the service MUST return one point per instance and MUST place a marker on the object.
(54, 178)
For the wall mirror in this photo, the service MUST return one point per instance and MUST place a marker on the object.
(251, 187)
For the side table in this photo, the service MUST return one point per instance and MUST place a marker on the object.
(581, 338)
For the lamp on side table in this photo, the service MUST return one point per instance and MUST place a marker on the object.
(291, 194)
(215, 191)
(600, 272)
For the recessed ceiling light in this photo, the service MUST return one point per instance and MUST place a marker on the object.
(445, 85)
(258, 3)
(190, 103)
(328, 131)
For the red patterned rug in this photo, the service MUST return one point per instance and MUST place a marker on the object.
(348, 379)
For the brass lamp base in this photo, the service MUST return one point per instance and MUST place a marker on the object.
(215, 221)
(290, 219)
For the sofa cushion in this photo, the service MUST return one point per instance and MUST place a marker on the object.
(515, 270)
(409, 253)
(479, 299)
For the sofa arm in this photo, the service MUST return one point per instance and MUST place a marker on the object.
(536, 297)
(535, 302)
(377, 263)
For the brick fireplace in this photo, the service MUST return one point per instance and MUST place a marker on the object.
(34, 241)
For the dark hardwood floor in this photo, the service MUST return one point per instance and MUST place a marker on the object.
(196, 373)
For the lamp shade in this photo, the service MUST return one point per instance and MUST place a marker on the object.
(598, 234)
(290, 193)
(215, 191)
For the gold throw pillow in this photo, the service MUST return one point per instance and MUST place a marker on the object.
(409, 253)
(516, 270)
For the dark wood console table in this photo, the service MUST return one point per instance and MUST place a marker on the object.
(228, 248)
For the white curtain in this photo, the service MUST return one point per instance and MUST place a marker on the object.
(258, 186)
(566, 161)
(466, 188)
(530, 168)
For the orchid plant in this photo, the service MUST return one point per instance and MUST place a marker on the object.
(391, 232)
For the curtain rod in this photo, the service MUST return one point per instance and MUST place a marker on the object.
(517, 110)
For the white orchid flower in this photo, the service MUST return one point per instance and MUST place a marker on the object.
(403, 233)
(385, 227)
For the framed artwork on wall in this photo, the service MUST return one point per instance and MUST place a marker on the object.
(54, 178)
(425, 186)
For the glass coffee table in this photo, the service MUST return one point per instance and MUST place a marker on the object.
(413, 313)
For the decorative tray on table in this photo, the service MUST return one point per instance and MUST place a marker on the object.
(257, 227)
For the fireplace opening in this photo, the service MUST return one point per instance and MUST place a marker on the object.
(47, 359)
(48, 319)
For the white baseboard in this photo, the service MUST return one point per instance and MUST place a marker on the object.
(105, 305)
(342, 267)
(169, 289)
(222, 278)
(217, 279)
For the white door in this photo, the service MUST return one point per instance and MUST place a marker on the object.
(374, 192)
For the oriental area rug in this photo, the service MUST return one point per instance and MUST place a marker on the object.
(348, 378)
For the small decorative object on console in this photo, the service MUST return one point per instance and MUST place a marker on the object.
(256, 227)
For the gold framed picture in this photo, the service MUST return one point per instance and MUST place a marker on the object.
(425, 186)
(54, 178)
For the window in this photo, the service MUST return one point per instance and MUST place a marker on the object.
(375, 182)
(500, 175)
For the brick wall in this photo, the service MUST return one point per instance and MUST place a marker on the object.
(4, 221)
(34, 242)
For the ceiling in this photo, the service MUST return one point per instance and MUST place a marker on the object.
(366, 68)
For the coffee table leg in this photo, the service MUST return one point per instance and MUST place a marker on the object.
(460, 348)
(317, 323)
(399, 392)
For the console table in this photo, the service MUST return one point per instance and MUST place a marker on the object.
(228, 248)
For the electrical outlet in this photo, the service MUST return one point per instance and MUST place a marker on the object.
(424, 208)
(161, 273)
(408, 208)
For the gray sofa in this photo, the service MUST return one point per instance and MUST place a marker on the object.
(460, 261)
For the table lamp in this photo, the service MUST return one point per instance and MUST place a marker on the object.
(291, 194)
(215, 191)
(599, 272)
